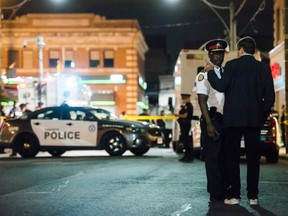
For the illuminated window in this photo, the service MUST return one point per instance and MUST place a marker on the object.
(94, 58)
(69, 63)
(54, 56)
(27, 59)
(108, 58)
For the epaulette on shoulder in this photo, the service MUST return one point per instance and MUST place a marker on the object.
(201, 76)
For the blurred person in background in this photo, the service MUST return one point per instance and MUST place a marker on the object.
(2, 117)
(184, 119)
(15, 111)
(282, 125)
(40, 105)
(145, 112)
(24, 108)
(162, 124)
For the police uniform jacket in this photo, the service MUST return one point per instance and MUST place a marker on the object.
(186, 108)
(249, 91)
(215, 98)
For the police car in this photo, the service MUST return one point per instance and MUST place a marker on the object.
(62, 128)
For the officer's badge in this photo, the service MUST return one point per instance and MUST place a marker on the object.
(200, 77)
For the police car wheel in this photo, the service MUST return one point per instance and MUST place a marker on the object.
(272, 156)
(139, 151)
(27, 146)
(56, 153)
(114, 144)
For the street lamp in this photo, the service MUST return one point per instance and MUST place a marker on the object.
(40, 44)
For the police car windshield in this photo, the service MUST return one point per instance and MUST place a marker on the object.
(103, 114)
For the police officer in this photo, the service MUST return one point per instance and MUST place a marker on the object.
(211, 103)
(185, 117)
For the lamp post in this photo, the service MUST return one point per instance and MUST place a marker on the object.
(233, 29)
(40, 44)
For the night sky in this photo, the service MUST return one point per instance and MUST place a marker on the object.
(185, 23)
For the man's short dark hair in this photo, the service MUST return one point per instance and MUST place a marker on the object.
(248, 44)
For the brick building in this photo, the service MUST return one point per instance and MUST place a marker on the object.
(86, 45)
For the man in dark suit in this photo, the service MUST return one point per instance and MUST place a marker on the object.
(249, 96)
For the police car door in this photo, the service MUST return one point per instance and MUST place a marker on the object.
(47, 125)
(56, 127)
(77, 131)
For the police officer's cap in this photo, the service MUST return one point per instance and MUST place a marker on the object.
(217, 45)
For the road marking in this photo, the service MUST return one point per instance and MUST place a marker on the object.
(38, 192)
(183, 209)
(61, 186)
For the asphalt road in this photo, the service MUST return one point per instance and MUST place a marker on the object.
(93, 183)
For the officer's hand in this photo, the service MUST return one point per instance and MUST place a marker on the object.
(211, 130)
(208, 67)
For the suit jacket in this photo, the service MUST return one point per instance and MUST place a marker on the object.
(249, 92)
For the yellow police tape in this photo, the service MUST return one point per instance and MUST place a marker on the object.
(138, 117)
(148, 117)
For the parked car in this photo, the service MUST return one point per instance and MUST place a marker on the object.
(269, 140)
(62, 128)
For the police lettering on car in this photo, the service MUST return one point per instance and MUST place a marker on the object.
(62, 135)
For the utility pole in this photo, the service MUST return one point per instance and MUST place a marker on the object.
(233, 27)
(286, 70)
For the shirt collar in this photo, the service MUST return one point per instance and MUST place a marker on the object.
(246, 54)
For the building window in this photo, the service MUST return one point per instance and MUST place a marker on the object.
(94, 58)
(54, 56)
(69, 62)
(27, 59)
(108, 58)
(13, 56)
